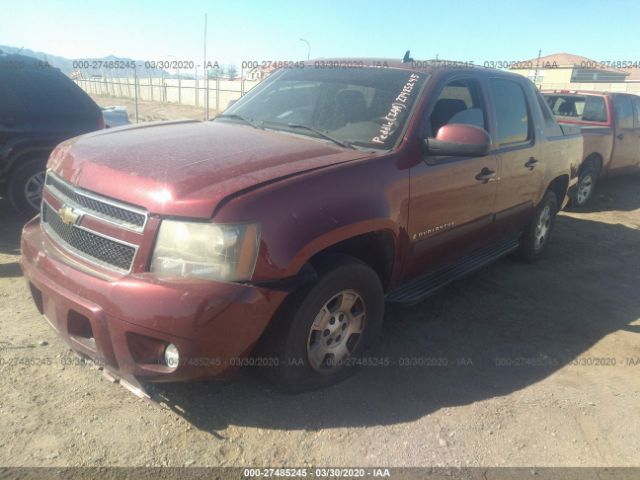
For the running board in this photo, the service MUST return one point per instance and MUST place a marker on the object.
(417, 290)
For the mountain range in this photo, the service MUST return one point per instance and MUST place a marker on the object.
(67, 66)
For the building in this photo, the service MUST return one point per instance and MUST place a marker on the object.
(259, 73)
(574, 72)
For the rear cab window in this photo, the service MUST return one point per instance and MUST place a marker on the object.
(585, 108)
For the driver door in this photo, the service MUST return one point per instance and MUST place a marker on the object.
(452, 198)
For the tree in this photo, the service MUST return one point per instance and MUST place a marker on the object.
(215, 72)
(232, 72)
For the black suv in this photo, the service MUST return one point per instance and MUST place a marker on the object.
(39, 108)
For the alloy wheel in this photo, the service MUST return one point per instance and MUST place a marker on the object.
(33, 190)
(336, 331)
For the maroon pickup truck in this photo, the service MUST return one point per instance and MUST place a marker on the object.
(274, 234)
(611, 129)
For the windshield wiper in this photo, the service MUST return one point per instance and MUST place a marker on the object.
(342, 143)
(240, 117)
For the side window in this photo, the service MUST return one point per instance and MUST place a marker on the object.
(48, 90)
(512, 115)
(594, 109)
(624, 111)
(10, 104)
(459, 102)
(636, 107)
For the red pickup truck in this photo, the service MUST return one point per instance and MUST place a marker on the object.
(611, 130)
(273, 235)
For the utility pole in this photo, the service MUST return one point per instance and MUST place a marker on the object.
(308, 47)
(206, 73)
(535, 72)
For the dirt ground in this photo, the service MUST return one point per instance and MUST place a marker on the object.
(153, 111)
(542, 368)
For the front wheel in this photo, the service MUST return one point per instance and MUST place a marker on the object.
(536, 236)
(322, 334)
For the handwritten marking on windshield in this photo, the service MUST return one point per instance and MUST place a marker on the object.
(397, 107)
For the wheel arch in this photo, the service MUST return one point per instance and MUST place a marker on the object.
(559, 186)
(593, 159)
(376, 248)
(24, 155)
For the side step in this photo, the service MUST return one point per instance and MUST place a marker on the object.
(417, 290)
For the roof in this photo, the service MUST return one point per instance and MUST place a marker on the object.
(633, 74)
(21, 61)
(562, 91)
(434, 68)
(568, 60)
(425, 66)
(562, 59)
(13, 57)
(414, 64)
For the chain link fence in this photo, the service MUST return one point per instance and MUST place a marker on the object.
(199, 92)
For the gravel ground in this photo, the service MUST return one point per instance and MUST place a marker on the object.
(153, 111)
(529, 376)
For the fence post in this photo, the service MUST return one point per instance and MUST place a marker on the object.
(196, 86)
(135, 90)
(217, 95)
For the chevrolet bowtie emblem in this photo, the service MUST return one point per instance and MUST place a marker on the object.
(68, 215)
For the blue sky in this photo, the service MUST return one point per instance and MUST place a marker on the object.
(270, 30)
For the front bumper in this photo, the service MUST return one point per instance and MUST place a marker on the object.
(125, 323)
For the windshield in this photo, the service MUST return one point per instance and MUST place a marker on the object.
(361, 107)
(587, 108)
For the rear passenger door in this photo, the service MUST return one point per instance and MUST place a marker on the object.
(626, 142)
(521, 172)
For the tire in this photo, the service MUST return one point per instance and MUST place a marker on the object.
(585, 188)
(536, 235)
(303, 344)
(25, 186)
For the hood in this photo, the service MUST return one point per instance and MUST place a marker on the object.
(186, 168)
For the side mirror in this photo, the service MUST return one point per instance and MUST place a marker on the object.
(459, 140)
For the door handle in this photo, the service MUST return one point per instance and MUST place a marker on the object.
(486, 175)
(531, 163)
(620, 136)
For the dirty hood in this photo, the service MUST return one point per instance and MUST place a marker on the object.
(187, 168)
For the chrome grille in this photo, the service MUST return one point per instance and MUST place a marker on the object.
(126, 216)
(103, 250)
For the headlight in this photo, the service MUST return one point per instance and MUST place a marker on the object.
(218, 252)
